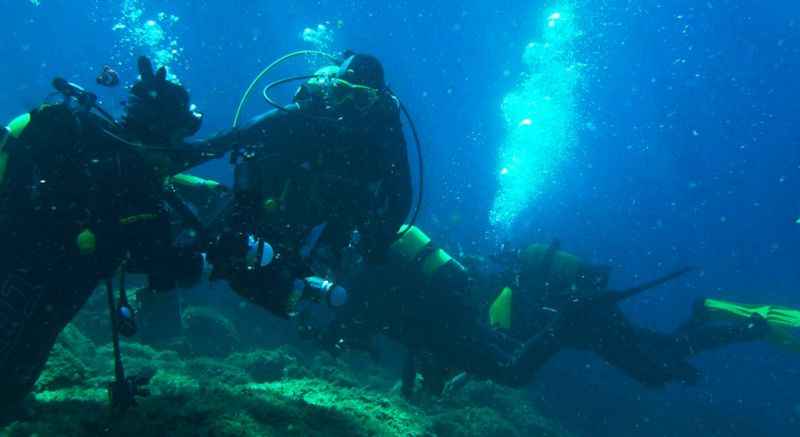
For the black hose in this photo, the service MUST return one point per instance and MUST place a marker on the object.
(265, 92)
(421, 170)
(631, 292)
(119, 370)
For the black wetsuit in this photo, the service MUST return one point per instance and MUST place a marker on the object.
(436, 319)
(446, 330)
(74, 202)
(579, 317)
(656, 358)
(315, 163)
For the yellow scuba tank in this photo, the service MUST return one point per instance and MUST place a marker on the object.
(545, 273)
(13, 130)
(415, 248)
(561, 270)
(500, 311)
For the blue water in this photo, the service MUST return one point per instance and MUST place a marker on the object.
(687, 151)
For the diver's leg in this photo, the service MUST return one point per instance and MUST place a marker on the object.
(19, 357)
(490, 357)
(530, 357)
(34, 309)
(647, 356)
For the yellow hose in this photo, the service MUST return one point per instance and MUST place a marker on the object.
(249, 91)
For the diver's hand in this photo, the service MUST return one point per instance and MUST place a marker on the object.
(153, 84)
(158, 110)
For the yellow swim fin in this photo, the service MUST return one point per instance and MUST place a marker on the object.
(500, 311)
(782, 320)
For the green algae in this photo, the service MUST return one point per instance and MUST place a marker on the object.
(261, 392)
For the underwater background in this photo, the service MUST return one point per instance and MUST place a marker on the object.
(665, 134)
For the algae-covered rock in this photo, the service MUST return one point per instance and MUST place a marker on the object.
(209, 333)
(208, 369)
(324, 366)
(485, 401)
(268, 365)
(307, 407)
(64, 369)
(474, 421)
(343, 411)
(74, 340)
(280, 392)
(65, 366)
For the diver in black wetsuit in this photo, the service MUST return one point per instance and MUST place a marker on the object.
(311, 175)
(79, 193)
(327, 172)
(423, 299)
(550, 300)
(553, 287)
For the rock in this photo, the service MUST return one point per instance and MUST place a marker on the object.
(474, 421)
(208, 369)
(509, 406)
(268, 365)
(65, 366)
(209, 333)
(190, 400)
(278, 392)
(63, 369)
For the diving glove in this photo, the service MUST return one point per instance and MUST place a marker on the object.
(159, 110)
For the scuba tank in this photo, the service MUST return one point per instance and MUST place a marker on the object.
(319, 290)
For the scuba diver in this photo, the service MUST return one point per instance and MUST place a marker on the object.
(327, 172)
(549, 300)
(422, 298)
(81, 194)
(553, 286)
(85, 196)
(302, 194)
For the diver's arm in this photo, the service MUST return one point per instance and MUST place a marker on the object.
(382, 230)
(400, 204)
(268, 130)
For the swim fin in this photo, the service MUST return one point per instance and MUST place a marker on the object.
(782, 320)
